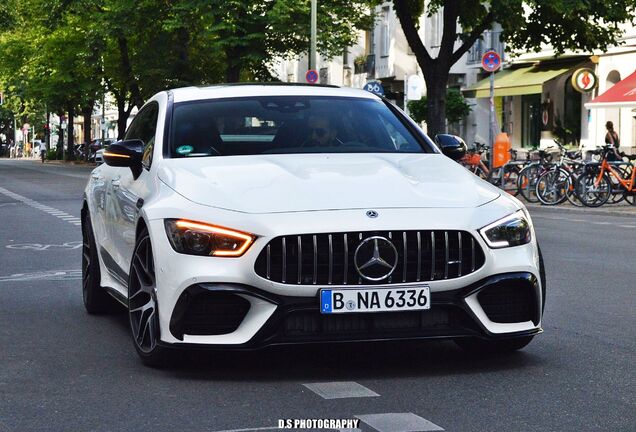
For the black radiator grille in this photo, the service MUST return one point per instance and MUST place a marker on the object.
(328, 259)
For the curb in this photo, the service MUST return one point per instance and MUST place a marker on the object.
(623, 210)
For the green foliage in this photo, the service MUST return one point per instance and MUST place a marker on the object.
(456, 107)
(62, 55)
(52, 154)
(527, 25)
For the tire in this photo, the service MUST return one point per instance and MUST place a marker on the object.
(503, 346)
(552, 186)
(142, 305)
(618, 191)
(592, 195)
(96, 300)
(630, 197)
(543, 280)
(527, 181)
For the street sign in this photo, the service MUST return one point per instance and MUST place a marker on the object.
(584, 80)
(491, 61)
(374, 87)
(311, 76)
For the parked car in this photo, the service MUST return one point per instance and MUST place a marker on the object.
(245, 216)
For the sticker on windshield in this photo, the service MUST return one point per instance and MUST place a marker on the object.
(184, 149)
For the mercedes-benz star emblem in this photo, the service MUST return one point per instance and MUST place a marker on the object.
(375, 258)
(372, 213)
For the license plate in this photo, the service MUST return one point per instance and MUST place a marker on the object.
(375, 300)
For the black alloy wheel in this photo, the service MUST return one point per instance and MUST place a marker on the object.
(96, 300)
(142, 304)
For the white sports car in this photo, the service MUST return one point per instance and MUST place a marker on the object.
(242, 216)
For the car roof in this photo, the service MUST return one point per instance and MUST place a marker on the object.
(256, 89)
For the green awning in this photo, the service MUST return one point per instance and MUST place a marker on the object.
(514, 82)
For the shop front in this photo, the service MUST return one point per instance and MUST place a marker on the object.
(535, 103)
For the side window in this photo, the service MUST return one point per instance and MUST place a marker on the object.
(144, 127)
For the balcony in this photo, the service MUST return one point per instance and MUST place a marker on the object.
(489, 41)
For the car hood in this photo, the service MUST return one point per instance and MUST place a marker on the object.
(311, 182)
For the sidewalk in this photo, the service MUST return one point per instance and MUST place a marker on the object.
(620, 209)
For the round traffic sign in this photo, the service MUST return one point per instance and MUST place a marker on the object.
(374, 87)
(491, 61)
(311, 76)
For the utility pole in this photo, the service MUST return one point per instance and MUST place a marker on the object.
(314, 32)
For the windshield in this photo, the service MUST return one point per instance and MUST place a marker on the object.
(287, 125)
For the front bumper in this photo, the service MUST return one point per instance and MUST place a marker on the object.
(513, 300)
(279, 313)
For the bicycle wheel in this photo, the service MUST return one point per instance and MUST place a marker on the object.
(618, 191)
(527, 182)
(505, 177)
(591, 192)
(553, 186)
(630, 198)
(571, 193)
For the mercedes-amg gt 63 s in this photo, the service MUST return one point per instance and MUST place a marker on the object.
(243, 216)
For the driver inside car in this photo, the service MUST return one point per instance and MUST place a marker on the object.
(321, 132)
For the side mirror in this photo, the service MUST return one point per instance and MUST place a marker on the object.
(452, 146)
(126, 154)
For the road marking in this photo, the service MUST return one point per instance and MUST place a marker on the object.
(54, 275)
(627, 226)
(42, 247)
(340, 390)
(74, 220)
(398, 422)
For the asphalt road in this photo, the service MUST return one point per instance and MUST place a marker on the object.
(63, 370)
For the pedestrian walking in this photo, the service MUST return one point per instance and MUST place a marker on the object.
(611, 137)
(42, 150)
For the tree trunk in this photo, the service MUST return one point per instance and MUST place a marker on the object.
(87, 112)
(60, 138)
(70, 153)
(47, 137)
(436, 102)
(233, 61)
(122, 117)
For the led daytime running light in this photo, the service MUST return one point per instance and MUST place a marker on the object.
(108, 154)
(247, 239)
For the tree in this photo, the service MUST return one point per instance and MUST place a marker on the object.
(526, 26)
(456, 107)
(254, 33)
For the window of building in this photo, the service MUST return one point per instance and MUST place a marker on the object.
(384, 33)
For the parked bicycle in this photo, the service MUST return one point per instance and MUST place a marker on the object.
(601, 181)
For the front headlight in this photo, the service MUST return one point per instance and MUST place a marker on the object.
(196, 238)
(513, 230)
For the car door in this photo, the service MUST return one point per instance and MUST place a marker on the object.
(128, 193)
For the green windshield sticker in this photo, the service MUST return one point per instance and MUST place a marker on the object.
(184, 149)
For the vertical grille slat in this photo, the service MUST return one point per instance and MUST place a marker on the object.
(346, 258)
(446, 254)
(459, 260)
(300, 260)
(406, 258)
(330, 279)
(284, 277)
(419, 256)
(315, 259)
(432, 255)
